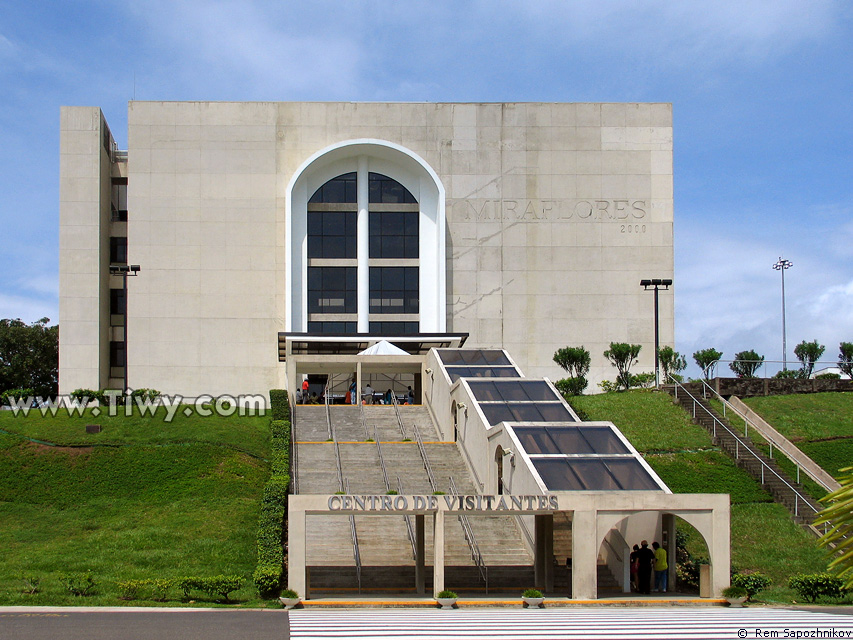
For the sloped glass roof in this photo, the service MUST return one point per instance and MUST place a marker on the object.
(512, 391)
(569, 440)
(473, 356)
(456, 372)
(497, 412)
(594, 474)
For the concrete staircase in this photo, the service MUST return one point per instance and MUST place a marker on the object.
(747, 455)
(384, 544)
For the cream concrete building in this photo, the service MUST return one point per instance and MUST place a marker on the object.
(526, 226)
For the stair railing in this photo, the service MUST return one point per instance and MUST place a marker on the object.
(381, 461)
(328, 411)
(364, 422)
(425, 459)
(708, 389)
(409, 529)
(341, 487)
(765, 468)
(476, 556)
(356, 552)
(397, 413)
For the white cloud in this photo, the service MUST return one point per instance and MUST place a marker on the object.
(27, 309)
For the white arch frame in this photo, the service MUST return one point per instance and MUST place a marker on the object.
(397, 162)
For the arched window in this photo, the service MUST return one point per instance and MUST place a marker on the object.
(393, 252)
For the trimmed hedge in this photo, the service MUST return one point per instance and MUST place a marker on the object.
(817, 585)
(271, 531)
(279, 404)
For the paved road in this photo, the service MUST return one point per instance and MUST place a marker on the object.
(557, 624)
(111, 624)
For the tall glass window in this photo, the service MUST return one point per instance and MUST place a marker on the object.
(393, 290)
(332, 290)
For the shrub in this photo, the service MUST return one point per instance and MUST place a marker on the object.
(808, 353)
(531, 593)
(88, 395)
(129, 589)
(845, 358)
(671, 362)
(828, 376)
(221, 585)
(571, 386)
(642, 380)
(447, 593)
(789, 374)
(816, 585)
(734, 592)
(79, 584)
(623, 356)
(146, 394)
(706, 359)
(8, 397)
(607, 386)
(752, 582)
(289, 593)
(279, 404)
(746, 364)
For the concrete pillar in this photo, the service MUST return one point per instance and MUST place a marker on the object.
(296, 552)
(358, 386)
(543, 553)
(438, 544)
(420, 561)
(719, 547)
(584, 556)
(363, 246)
(668, 528)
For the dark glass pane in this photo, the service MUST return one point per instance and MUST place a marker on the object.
(481, 372)
(336, 190)
(631, 475)
(473, 356)
(593, 474)
(496, 413)
(315, 223)
(554, 413)
(603, 440)
(117, 354)
(535, 440)
(335, 247)
(557, 475)
(118, 250)
(117, 302)
(411, 221)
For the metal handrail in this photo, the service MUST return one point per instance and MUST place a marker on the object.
(738, 443)
(706, 372)
(425, 459)
(397, 413)
(476, 556)
(768, 437)
(356, 552)
(338, 466)
(328, 411)
(381, 461)
(409, 529)
(363, 421)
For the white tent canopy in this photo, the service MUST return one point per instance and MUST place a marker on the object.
(383, 348)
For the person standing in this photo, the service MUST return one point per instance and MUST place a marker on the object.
(368, 394)
(661, 568)
(353, 392)
(635, 564)
(646, 562)
(305, 391)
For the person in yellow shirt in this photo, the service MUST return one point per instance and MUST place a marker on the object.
(661, 568)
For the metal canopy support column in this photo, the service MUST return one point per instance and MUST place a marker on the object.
(420, 561)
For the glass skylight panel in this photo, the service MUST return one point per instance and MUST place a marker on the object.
(594, 474)
(513, 391)
(557, 475)
(526, 412)
(456, 372)
(631, 474)
(473, 356)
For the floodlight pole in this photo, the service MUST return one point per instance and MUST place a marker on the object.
(781, 265)
(656, 284)
(124, 271)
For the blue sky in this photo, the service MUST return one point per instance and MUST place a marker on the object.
(761, 93)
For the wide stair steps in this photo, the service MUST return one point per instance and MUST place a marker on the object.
(384, 544)
(747, 455)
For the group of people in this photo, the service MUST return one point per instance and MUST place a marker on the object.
(369, 395)
(644, 563)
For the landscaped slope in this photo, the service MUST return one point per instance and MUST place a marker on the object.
(143, 499)
(820, 424)
(764, 538)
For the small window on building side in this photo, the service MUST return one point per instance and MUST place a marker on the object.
(118, 250)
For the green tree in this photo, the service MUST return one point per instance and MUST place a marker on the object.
(808, 353)
(845, 358)
(746, 364)
(29, 356)
(706, 359)
(671, 362)
(623, 356)
(839, 515)
(575, 361)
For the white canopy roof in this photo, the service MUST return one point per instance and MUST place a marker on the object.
(383, 348)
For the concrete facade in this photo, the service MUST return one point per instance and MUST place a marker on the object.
(545, 218)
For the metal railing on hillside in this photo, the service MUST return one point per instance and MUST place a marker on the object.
(727, 406)
(740, 444)
(476, 556)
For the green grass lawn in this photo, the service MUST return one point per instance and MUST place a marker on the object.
(820, 424)
(764, 537)
(185, 506)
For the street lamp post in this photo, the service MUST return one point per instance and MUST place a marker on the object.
(781, 265)
(656, 283)
(124, 270)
